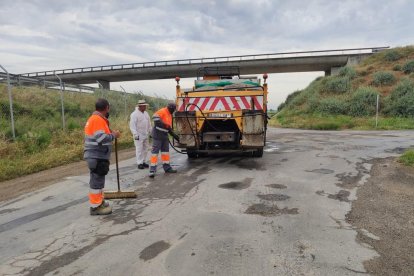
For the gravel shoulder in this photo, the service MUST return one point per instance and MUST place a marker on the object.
(15, 187)
(384, 216)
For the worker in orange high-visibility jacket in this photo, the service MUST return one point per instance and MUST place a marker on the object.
(162, 127)
(97, 152)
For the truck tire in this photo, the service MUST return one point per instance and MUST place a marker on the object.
(258, 153)
(192, 154)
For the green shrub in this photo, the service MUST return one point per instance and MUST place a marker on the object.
(336, 84)
(72, 125)
(407, 158)
(401, 100)
(332, 106)
(392, 55)
(326, 126)
(291, 96)
(397, 67)
(363, 102)
(35, 141)
(408, 67)
(383, 78)
(347, 71)
(43, 113)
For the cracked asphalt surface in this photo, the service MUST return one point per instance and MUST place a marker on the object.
(283, 214)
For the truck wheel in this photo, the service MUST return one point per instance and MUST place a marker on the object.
(258, 153)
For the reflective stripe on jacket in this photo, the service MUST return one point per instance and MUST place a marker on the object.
(98, 137)
(162, 123)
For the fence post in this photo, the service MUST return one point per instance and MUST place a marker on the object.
(61, 101)
(376, 116)
(10, 102)
(125, 105)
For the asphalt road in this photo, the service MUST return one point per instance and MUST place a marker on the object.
(283, 214)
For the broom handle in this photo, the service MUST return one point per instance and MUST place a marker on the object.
(116, 161)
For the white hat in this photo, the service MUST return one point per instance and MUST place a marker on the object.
(142, 102)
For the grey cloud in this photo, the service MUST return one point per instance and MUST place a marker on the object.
(137, 28)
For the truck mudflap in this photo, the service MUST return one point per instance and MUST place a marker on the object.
(186, 123)
(253, 128)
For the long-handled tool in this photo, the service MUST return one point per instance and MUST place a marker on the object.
(119, 193)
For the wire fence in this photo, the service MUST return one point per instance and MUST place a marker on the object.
(30, 110)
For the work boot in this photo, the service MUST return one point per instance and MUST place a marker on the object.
(101, 210)
(151, 174)
(141, 166)
(145, 165)
(170, 170)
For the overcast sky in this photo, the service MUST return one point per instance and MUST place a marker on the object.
(47, 35)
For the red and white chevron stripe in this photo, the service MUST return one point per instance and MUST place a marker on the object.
(221, 103)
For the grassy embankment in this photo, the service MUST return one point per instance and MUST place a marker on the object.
(41, 143)
(348, 100)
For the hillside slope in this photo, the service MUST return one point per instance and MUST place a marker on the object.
(348, 100)
(40, 141)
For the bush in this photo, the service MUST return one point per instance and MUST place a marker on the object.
(401, 101)
(35, 141)
(336, 84)
(291, 96)
(383, 78)
(347, 71)
(407, 158)
(332, 106)
(397, 67)
(392, 55)
(363, 102)
(72, 125)
(408, 67)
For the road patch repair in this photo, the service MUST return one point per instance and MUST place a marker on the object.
(316, 203)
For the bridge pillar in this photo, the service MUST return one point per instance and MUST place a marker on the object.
(105, 84)
(333, 71)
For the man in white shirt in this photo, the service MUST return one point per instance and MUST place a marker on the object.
(140, 126)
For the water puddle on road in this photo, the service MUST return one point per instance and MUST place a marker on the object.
(152, 251)
(237, 185)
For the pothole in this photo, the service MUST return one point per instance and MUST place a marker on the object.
(274, 197)
(268, 211)
(322, 171)
(276, 186)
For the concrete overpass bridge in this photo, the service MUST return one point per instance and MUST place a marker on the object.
(327, 61)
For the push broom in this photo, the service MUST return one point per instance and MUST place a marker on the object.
(119, 193)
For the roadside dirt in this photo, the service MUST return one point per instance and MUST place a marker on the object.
(385, 208)
(15, 187)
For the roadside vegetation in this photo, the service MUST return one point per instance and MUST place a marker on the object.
(41, 143)
(407, 158)
(348, 100)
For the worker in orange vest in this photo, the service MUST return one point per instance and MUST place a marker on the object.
(162, 127)
(97, 152)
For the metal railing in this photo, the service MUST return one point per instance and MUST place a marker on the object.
(22, 80)
(352, 51)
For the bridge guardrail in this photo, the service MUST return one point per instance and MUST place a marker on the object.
(351, 51)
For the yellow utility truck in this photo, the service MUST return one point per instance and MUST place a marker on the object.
(223, 112)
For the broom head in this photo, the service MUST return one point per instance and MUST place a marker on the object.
(119, 194)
